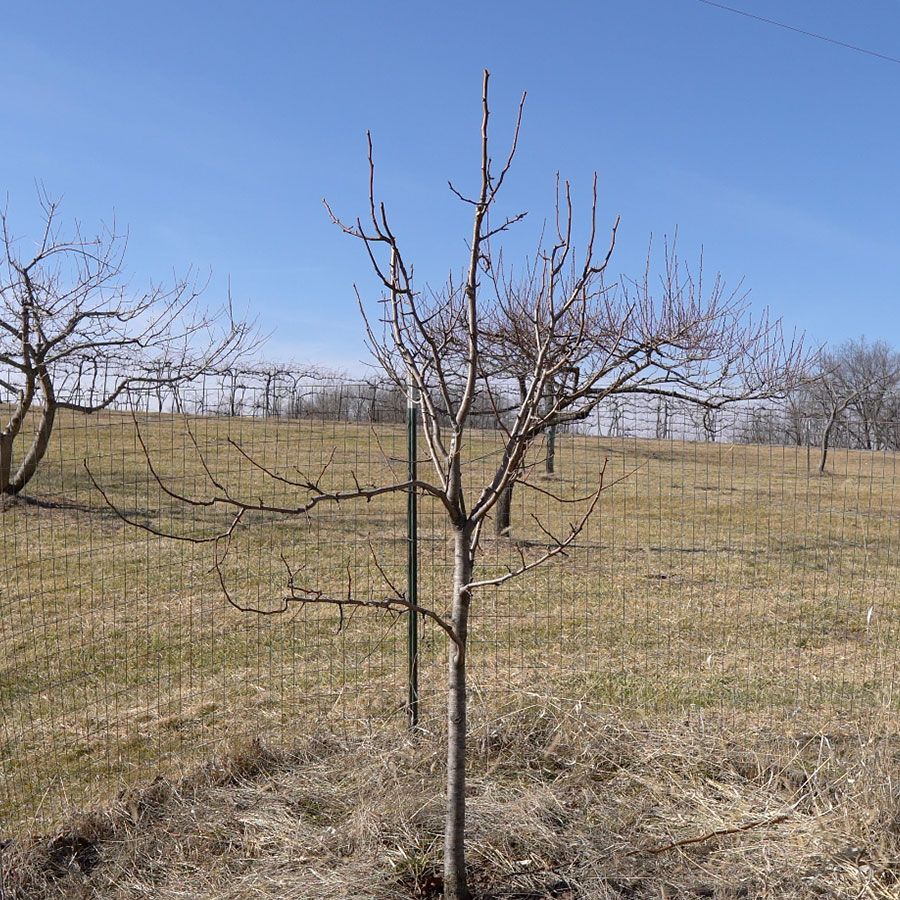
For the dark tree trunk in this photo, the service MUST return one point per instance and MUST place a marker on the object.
(867, 432)
(455, 882)
(6, 446)
(503, 512)
(826, 438)
(551, 450)
(8, 483)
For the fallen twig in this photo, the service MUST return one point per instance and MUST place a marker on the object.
(720, 832)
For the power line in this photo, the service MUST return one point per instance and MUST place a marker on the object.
(812, 34)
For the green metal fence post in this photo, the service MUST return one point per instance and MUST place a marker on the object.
(412, 560)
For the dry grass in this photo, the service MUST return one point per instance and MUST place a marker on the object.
(565, 802)
(714, 577)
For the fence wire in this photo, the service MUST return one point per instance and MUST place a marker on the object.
(718, 574)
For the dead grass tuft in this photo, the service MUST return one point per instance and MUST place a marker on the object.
(564, 802)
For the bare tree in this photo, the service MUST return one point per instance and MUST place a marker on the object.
(585, 345)
(662, 419)
(856, 386)
(870, 374)
(65, 308)
(676, 337)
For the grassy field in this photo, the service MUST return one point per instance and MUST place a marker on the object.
(714, 578)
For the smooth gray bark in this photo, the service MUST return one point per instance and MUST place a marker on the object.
(455, 883)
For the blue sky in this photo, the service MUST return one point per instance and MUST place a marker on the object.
(214, 130)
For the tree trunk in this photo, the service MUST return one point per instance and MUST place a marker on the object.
(826, 437)
(6, 447)
(41, 439)
(455, 882)
(36, 451)
(11, 432)
(503, 514)
(869, 442)
(551, 450)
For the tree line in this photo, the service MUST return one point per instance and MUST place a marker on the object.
(851, 400)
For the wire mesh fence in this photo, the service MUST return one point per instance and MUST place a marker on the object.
(720, 572)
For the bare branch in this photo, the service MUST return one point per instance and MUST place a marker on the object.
(559, 545)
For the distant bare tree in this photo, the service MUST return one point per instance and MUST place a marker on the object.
(875, 369)
(675, 336)
(584, 346)
(63, 301)
(856, 386)
(662, 419)
(616, 428)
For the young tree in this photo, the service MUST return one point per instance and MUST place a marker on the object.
(66, 312)
(584, 345)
